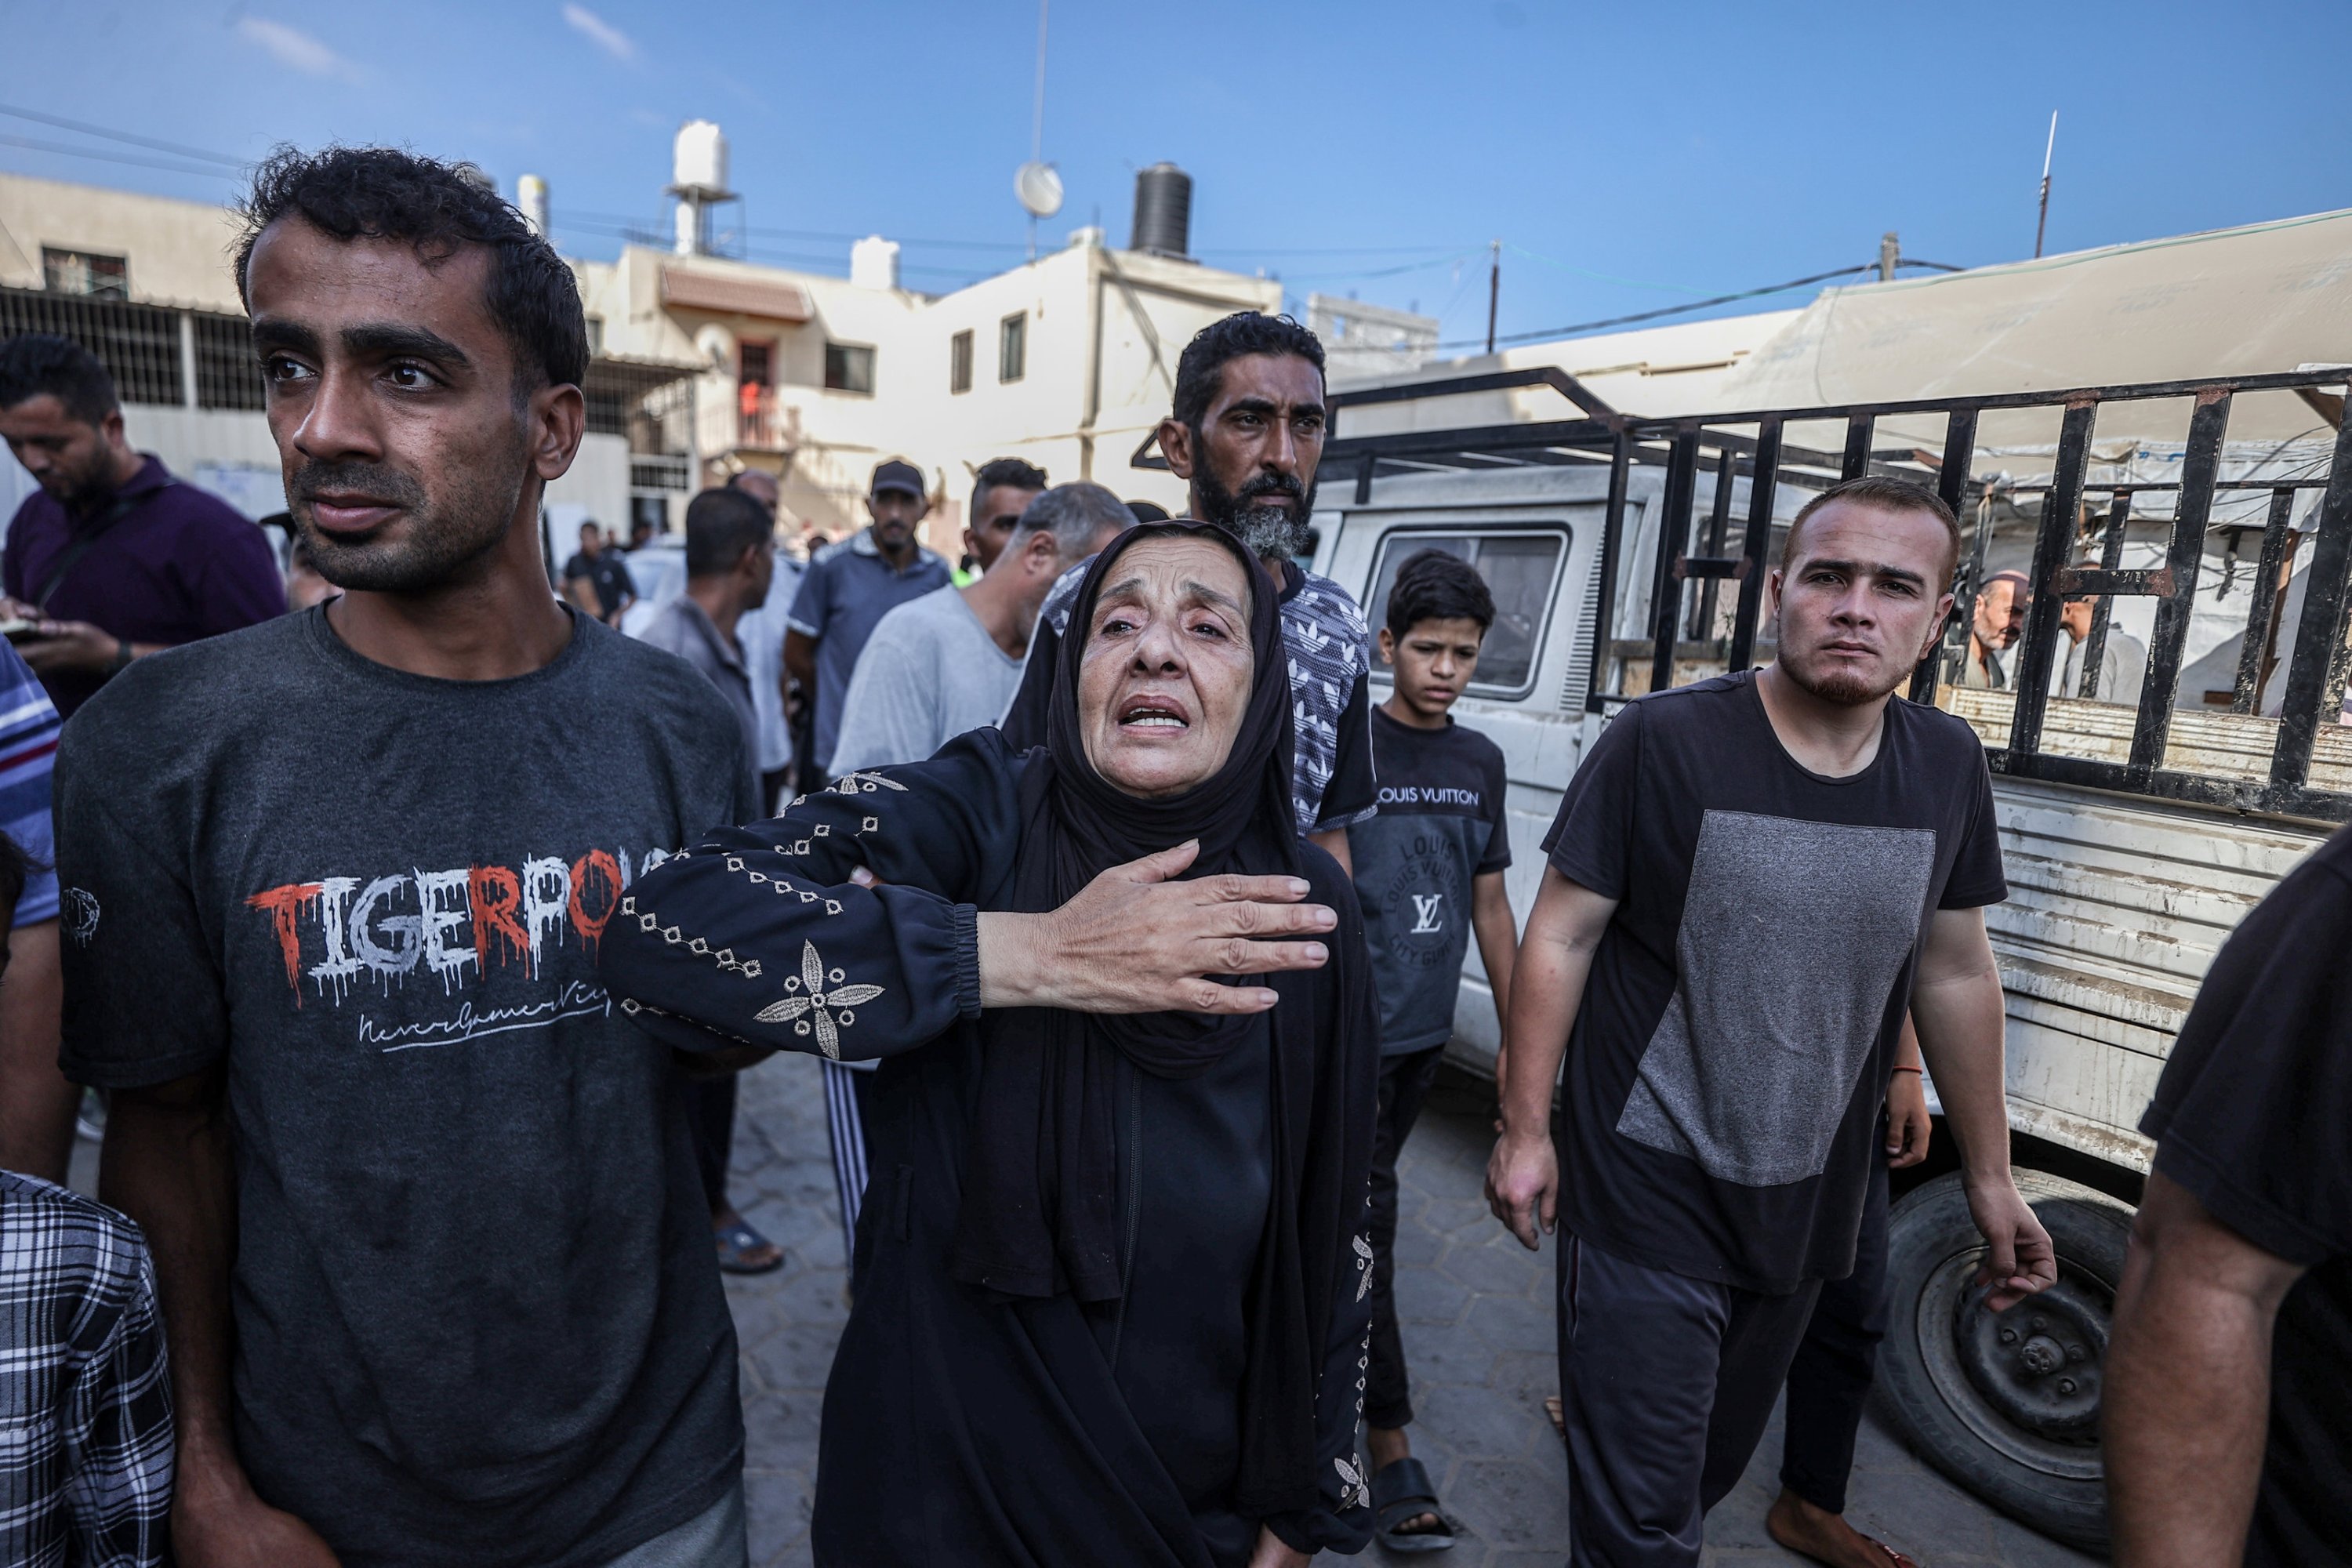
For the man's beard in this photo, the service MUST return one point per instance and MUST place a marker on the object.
(1841, 688)
(440, 542)
(92, 491)
(1269, 533)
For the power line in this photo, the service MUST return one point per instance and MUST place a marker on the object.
(88, 129)
(37, 145)
(1669, 310)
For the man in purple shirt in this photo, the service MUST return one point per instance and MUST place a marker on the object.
(113, 559)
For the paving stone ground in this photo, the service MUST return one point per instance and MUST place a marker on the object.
(1478, 1332)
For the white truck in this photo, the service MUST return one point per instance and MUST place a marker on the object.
(2134, 839)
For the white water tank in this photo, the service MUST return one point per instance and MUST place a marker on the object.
(874, 263)
(698, 159)
(531, 200)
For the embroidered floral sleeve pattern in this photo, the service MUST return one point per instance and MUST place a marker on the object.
(761, 934)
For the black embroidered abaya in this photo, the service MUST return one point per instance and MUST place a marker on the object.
(1113, 1307)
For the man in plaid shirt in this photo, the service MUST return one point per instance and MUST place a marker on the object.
(85, 1397)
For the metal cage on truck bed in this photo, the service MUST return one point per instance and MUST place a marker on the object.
(1701, 589)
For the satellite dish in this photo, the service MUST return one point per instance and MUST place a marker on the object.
(1039, 188)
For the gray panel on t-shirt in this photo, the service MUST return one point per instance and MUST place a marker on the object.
(1793, 935)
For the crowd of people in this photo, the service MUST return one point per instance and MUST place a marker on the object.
(416, 938)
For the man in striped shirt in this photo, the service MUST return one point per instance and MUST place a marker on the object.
(36, 1103)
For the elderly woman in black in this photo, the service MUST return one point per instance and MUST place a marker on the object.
(1113, 1275)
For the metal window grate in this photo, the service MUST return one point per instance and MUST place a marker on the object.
(227, 374)
(2297, 762)
(138, 344)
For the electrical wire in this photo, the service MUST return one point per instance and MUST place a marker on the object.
(1548, 332)
(37, 145)
(181, 149)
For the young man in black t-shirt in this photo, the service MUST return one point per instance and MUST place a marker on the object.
(1749, 878)
(2226, 1420)
(1429, 873)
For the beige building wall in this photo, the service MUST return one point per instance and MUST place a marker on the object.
(179, 251)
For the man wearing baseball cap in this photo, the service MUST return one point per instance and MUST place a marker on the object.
(846, 589)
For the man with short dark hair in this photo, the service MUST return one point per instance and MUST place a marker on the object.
(423, 1203)
(849, 588)
(730, 561)
(1002, 489)
(1749, 878)
(113, 559)
(597, 580)
(951, 661)
(1246, 432)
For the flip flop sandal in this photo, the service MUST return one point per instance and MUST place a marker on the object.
(739, 1239)
(1402, 1490)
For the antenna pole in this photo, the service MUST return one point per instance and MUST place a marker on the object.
(2042, 222)
(1493, 289)
(1037, 116)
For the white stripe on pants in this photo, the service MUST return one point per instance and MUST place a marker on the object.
(847, 1132)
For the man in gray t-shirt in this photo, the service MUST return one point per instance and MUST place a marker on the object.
(422, 1199)
(951, 661)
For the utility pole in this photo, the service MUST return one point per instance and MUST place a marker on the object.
(1037, 116)
(1890, 252)
(2042, 222)
(1493, 289)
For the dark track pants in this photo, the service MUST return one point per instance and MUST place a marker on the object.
(1829, 1381)
(846, 1098)
(1667, 1384)
(1404, 1086)
(710, 1115)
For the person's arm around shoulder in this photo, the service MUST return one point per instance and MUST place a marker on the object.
(1956, 1007)
(2187, 1403)
(1547, 978)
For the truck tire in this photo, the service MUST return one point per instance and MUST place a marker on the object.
(2006, 1406)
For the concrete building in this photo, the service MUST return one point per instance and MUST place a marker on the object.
(145, 282)
(703, 365)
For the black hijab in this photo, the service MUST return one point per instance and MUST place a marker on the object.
(1038, 1216)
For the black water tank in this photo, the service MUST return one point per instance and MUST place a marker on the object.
(1164, 211)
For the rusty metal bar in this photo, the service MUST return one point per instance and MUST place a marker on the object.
(2314, 681)
(1952, 485)
(1757, 547)
(2030, 679)
(2209, 426)
(1674, 534)
(2111, 559)
(1364, 478)
(2140, 583)
(1718, 526)
(1858, 429)
(1613, 530)
(2262, 614)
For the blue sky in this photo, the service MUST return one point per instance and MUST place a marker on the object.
(1630, 157)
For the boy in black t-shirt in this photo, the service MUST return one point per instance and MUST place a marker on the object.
(1429, 873)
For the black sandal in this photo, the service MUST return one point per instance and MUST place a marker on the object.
(736, 1243)
(1402, 1490)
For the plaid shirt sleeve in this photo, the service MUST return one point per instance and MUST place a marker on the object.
(29, 749)
(86, 1477)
